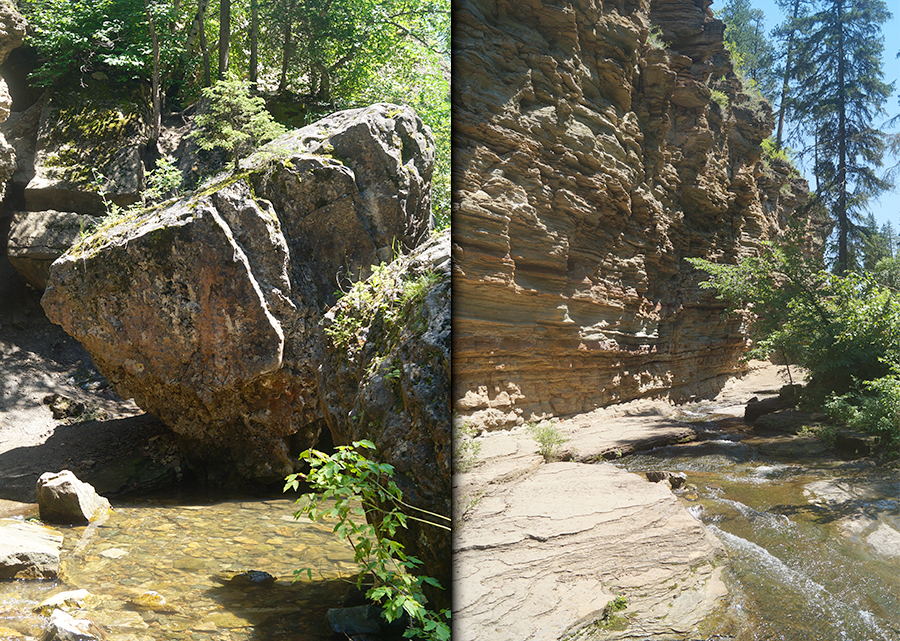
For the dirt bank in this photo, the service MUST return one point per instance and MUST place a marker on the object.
(104, 439)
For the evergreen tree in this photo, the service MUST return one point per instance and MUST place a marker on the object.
(745, 38)
(786, 34)
(840, 93)
(234, 120)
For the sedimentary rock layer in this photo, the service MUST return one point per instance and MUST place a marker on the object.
(589, 161)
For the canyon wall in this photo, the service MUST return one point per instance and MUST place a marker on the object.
(596, 146)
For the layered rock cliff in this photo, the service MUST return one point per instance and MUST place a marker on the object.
(591, 158)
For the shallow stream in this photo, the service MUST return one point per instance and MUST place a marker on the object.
(194, 553)
(813, 541)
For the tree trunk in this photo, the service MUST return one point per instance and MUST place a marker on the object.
(207, 67)
(224, 37)
(254, 43)
(842, 214)
(156, 117)
(287, 52)
(785, 85)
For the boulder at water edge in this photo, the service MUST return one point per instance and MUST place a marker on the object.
(206, 311)
(385, 376)
(62, 498)
(28, 550)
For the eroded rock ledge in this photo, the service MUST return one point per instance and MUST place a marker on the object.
(589, 163)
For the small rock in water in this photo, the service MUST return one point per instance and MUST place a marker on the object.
(65, 627)
(675, 479)
(62, 498)
(151, 600)
(71, 599)
(359, 620)
(253, 577)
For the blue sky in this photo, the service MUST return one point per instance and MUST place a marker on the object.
(887, 208)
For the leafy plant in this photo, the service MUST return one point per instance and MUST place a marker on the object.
(873, 407)
(163, 181)
(548, 437)
(363, 489)
(655, 39)
(719, 98)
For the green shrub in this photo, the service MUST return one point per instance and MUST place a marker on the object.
(655, 39)
(164, 181)
(359, 488)
(719, 98)
(548, 438)
(873, 407)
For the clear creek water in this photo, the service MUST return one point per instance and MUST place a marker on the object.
(189, 552)
(813, 541)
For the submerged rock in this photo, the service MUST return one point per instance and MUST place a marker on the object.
(65, 627)
(62, 498)
(71, 599)
(28, 550)
(206, 311)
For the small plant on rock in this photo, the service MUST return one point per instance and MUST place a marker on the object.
(164, 181)
(548, 437)
(465, 448)
(358, 486)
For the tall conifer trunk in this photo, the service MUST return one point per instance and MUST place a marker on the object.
(224, 37)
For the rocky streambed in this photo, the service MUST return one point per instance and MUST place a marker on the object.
(198, 567)
(773, 534)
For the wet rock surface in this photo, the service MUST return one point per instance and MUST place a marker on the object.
(28, 550)
(543, 549)
(63, 498)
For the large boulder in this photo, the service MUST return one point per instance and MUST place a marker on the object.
(28, 550)
(206, 311)
(385, 376)
(89, 141)
(63, 498)
(12, 34)
(36, 239)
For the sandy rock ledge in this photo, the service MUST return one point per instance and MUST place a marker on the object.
(540, 549)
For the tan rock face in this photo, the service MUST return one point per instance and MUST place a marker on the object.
(588, 166)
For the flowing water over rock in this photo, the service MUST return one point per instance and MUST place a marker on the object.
(179, 569)
(813, 540)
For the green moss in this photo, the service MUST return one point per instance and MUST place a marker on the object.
(87, 133)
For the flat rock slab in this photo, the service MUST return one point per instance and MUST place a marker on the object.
(28, 551)
(541, 556)
(541, 549)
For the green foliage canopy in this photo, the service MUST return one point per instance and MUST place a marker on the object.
(844, 329)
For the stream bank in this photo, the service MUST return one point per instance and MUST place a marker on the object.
(542, 549)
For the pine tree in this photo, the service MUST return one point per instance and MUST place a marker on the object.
(840, 93)
(746, 40)
(234, 120)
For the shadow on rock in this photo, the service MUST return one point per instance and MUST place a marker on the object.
(113, 456)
